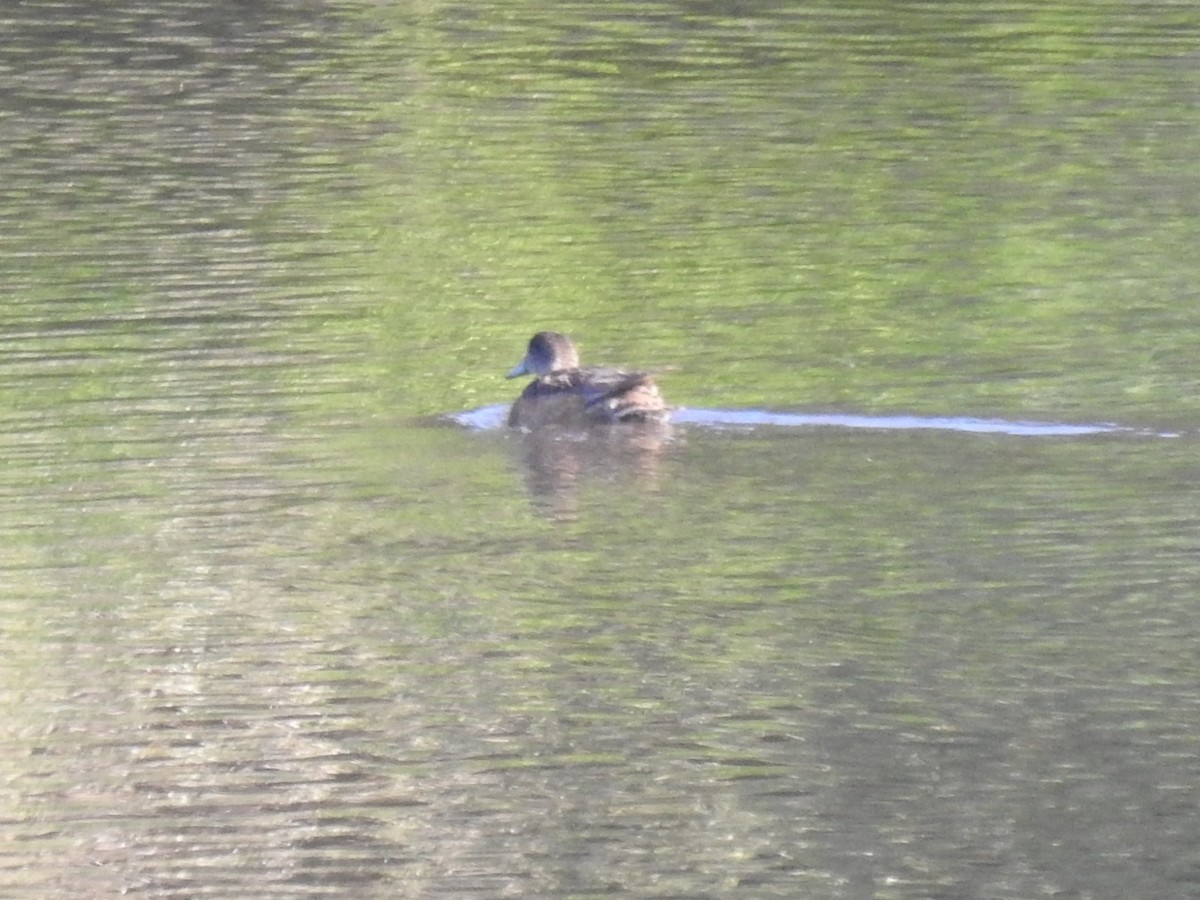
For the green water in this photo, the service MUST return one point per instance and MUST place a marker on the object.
(273, 623)
(963, 210)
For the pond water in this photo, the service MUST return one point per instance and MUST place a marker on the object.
(901, 604)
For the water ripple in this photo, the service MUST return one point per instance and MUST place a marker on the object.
(486, 418)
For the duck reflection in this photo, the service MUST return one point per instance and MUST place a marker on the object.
(558, 463)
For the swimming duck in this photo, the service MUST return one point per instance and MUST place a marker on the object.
(563, 393)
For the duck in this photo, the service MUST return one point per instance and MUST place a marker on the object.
(566, 394)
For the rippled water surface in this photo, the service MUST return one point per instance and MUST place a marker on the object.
(902, 604)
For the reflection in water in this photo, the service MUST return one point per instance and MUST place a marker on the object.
(254, 646)
(557, 462)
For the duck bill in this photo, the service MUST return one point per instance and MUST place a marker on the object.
(521, 368)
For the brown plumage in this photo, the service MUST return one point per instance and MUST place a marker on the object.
(564, 393)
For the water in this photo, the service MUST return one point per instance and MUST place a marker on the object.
(901, 605)
(489, 417)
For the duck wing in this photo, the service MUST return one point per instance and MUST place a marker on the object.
(597, 385)
(618, 396)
